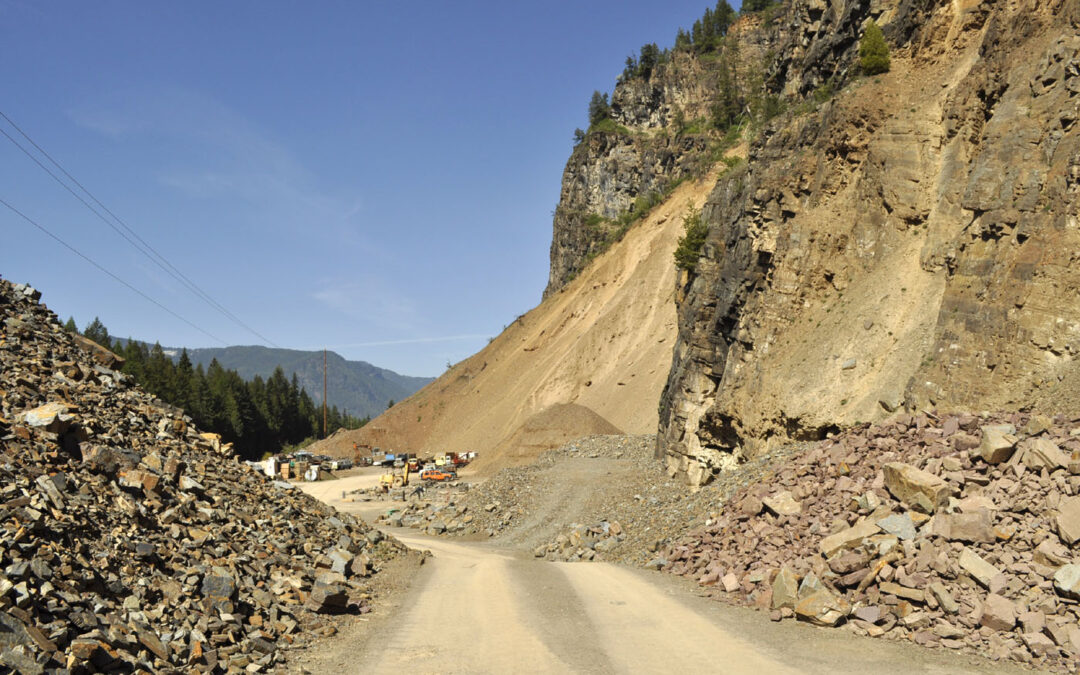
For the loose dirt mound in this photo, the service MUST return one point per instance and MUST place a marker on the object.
(604, 343)
(543, 431)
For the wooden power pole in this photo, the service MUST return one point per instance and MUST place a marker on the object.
(324, 393)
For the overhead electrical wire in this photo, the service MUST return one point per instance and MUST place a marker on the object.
(102, 268)
(138, 243)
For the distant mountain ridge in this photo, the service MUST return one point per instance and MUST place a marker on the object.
(356, 387)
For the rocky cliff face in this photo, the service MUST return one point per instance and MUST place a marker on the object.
(604, 177)
(911, 243)
(609, 170)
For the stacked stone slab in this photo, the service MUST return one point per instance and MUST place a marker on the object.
(131, 542)
(955, 531)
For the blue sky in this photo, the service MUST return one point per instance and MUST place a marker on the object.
(373, 178)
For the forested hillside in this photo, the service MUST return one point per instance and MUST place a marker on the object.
(257, 415)
(356, 387)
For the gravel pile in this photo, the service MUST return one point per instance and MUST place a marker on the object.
(131, 542)
(958, 532)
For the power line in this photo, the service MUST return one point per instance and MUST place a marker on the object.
(95, 264)
(142, 246)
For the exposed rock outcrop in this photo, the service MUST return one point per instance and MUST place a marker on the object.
(604, 176)
(911, 242)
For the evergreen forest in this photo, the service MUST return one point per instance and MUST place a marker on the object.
(258, 416)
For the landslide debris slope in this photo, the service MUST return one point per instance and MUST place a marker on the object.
(131, 542)
(953, 532)
(591, 359)
(601, 340)
(910, 243)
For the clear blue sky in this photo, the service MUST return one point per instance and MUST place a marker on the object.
(377, 178)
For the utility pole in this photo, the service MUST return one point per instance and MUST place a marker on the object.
(324, 393)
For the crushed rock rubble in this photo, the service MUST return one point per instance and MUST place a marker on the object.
(133, 543)
(644, 505)
(582, 543)
(955, 532)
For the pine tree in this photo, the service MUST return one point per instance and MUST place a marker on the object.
(708, 35)
(682, 40)
(750, 6)
(70, 325)
(723, 17)
(689, 248)
(182, 386)
(650, 58)
(599, 109)
(697, 35)
(873, 52)
(727, 106)
(96, 331)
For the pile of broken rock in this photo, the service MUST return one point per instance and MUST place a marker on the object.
(583, 543)
(434, 518)
(133, 542)
(958, 532)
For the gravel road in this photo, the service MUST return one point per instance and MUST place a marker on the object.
(492, 607)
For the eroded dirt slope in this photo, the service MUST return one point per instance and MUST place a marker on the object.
(602, 344)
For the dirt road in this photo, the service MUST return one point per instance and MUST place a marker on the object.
(478, 609)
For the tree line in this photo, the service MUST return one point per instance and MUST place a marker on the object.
(258, 416)
(706, 35)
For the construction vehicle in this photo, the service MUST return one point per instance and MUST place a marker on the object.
(394, 478)
(360, 450)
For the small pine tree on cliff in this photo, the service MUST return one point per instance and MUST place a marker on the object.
(873, 52)
(689, 248)
(599, 109)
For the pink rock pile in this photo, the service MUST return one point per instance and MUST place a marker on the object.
(954, 531)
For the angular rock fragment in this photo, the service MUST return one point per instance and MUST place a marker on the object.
(782, 504)
(1067, 581)
(998, 613)
(849, 538)
(785, 589)
(899, 524)
(998, 443)
(1068, 520)
(1042, 453)
(973, 527)
(916, 487)
(980, 570)
(823, 608)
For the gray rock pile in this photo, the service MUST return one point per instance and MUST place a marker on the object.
(435, 518)
(583, 543)
(131, 542)
(958, 532)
